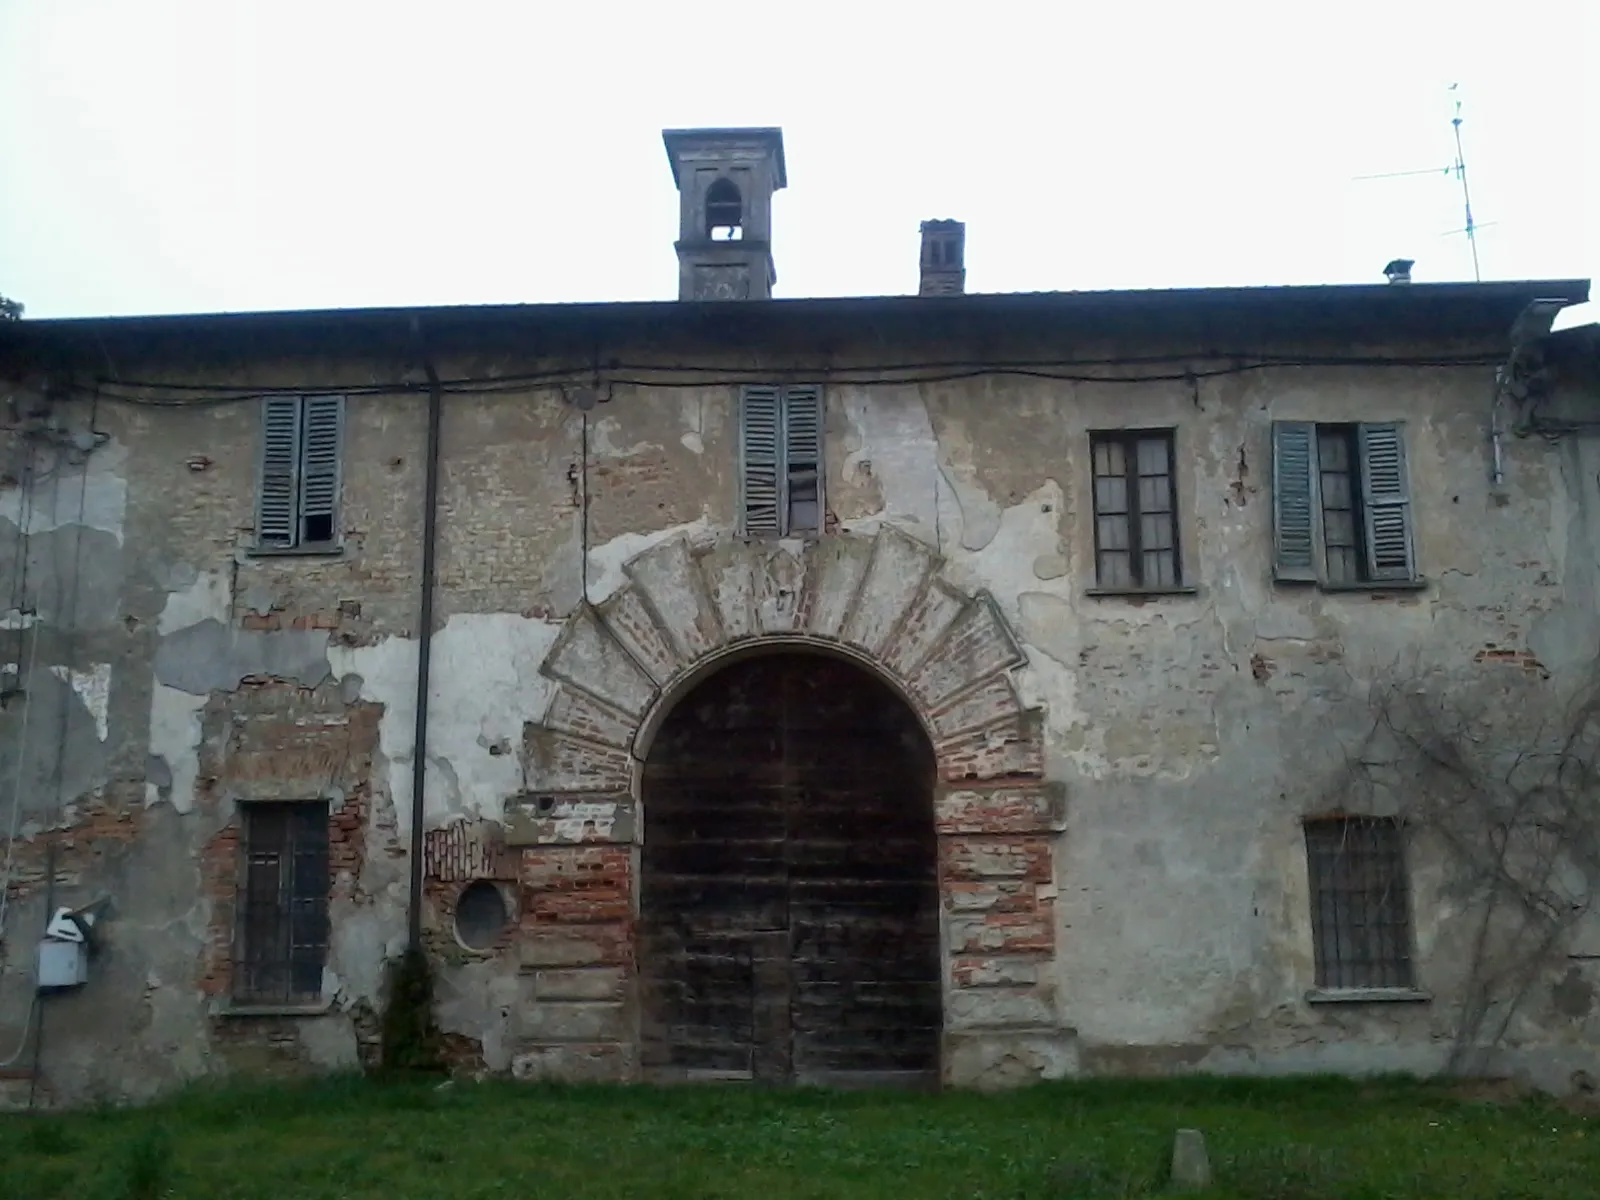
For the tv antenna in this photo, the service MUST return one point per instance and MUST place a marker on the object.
(1459, 170)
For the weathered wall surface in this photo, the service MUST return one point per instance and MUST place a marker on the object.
(169, 676)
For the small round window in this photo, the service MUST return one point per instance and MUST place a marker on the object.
(480, 915)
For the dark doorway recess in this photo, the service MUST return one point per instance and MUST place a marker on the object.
(789, 907)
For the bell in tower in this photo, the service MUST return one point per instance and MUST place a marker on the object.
(725, 180)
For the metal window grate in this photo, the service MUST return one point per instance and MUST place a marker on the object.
(283, 903)
(1135, 509)
(1360, 909)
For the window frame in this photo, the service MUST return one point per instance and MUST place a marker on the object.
(794, 445)
(1380, 972)
(1129, 439)
(1382, 506)
(286, 480)
(248, 960)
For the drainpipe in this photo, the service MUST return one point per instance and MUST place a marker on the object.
(419, 752)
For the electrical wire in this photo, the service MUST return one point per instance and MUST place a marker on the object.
(70, 624)
(27, 1028)
(175, 394)
(30, 632)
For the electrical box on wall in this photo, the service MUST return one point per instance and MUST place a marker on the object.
(62, 964)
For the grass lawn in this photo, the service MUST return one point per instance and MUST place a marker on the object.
(1285, 1140)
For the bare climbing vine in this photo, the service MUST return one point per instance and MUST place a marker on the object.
(1502, 772)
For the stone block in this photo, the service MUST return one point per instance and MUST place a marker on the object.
(590, 983)
(581, 715)
(1006, 857)
(978, 645)
(562, 763)
(1191, 1166)
(1036, 808)
(995, 972)
(670, 577)
(837, 566)
(1014, 747)
(627, 615)
(993, 1061)
(571, 1021)
(566, 949)
(895, 575)
(587, 656)
(931, 614)
(1001, 932)
(554, 819)
(992, 1008)
(582, 1062)
(992, 701)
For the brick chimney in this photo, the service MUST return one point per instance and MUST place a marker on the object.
(944, 249)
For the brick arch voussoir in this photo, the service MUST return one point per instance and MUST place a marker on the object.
(882, 599)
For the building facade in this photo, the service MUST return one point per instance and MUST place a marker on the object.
(932, 689)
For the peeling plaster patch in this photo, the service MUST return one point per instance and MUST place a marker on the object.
(94, 689)
(894, 435)
(1048, 628)
(1050, 566)
(175, 739)
(258, 598)
(962, 494)
(601, 445)
(692, 409)
(1021, 535)
(605, 561)
(212, 657)
(361, 938)
(487, 686)
(204, 598)
(330, 1043)
(104, 495)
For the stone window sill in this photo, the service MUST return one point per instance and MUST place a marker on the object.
(1385, 585)
(331, 550)
(1371, 995)
(1380, 585)
(315, 1008)
(1112, 593)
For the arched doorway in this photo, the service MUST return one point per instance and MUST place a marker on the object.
(789, 927)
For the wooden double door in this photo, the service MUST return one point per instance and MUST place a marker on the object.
(789, 905)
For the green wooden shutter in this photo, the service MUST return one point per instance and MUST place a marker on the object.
(321, 440)
(760, 448)
(1294, 500)
(802, 456)
(1386, 502)
(277, 522)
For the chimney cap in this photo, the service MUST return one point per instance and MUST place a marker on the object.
(1399, 269)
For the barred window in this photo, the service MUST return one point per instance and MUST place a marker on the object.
(283, 903)
(1360, 903)
(1135, 509)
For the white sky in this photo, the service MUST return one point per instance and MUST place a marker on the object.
(204, 155)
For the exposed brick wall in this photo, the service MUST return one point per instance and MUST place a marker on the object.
(265, 742)
(105, 823)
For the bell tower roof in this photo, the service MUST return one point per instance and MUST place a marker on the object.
(725, 180)
(685, 145)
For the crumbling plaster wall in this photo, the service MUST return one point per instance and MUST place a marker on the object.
(1191, 731)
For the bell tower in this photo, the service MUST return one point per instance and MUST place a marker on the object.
(725, 180)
